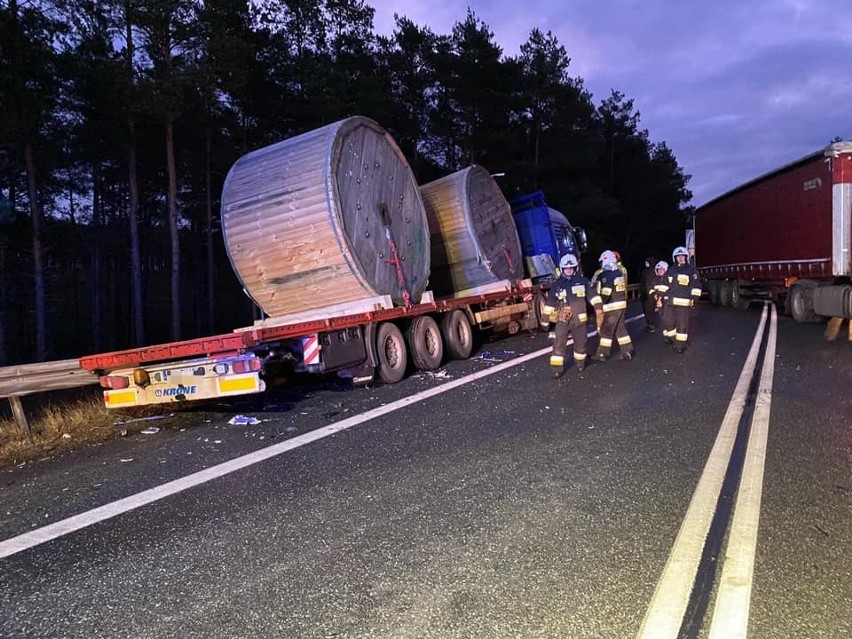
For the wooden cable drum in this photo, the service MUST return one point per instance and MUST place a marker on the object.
(328, 217)
(473, 235)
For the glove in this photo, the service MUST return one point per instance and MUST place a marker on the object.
(598, 320)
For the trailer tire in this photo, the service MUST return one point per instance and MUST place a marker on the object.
(458, 334)
(738, 301)
(391, 354)
(713, 291)
(542, 320)
(801, 302)
(424, 340)
(725, 293)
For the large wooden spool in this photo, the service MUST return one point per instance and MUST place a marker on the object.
(326, 218)
(473, 235)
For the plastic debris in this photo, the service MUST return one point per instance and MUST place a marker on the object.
(243, 420)
(130, 459)
(485, 356)
(152, 418)
(439, 375)
(151, 430)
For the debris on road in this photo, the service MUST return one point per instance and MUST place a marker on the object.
(243, 420)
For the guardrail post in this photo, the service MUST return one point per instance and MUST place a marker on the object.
(21, 418)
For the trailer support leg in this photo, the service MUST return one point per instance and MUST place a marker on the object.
(833, 328)
(21, 418)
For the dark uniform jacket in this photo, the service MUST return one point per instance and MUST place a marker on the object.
(613, 288)
(571, 293)
(684, 284)
(658, 289)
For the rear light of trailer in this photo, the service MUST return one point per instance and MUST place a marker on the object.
(141, 377)
(246, 365)
(114, 382)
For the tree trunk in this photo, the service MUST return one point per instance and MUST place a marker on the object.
(136, 310)
(38, 257)
(4, 352)
(95, 285)
(173, 226)
(211, 270)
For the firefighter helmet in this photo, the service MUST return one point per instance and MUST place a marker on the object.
(661, 265)
(607, 256)
(568, 261)
(680, 250)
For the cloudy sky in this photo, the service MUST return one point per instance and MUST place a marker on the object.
(735, 88)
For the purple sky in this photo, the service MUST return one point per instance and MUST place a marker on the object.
(735, 88)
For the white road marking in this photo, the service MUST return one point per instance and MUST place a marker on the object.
(77, 522)
(730, 614)
(668, 605)
(107, 511)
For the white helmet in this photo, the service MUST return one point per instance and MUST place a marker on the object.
(661, 265)
(680, 250)
(568, 261)
(607, 256)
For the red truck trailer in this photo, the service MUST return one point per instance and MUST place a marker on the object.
(783, 236)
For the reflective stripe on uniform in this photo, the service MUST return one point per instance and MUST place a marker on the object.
(557, 360)
(670, 333)
(681, 301)
(547, 310)
(624, 341)
(696, 292)
(579, 357)
(615, 306)
(582, 317)
(606, 290)
(682, 337)
(597, 299)
(606, 342)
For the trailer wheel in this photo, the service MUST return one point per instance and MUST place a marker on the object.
(738, 301)
(725, 293)
(424, 338)
(542, 320)
(458, 335)
(801, 302)
(391, 353)
(713, 290)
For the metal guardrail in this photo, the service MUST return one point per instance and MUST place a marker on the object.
(25, 379)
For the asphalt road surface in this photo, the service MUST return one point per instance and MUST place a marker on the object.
(486, 500)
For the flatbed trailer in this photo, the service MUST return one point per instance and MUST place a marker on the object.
(363, 345)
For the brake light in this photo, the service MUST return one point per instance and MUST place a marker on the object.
(114, 382)
(246, 366)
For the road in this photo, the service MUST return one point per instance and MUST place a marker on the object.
(487, 500)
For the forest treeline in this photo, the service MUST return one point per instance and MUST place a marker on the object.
(119, 120)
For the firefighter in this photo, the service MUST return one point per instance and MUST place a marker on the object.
(658, 288)
(649, 308)
(613, 291)
(567, 301)
(684, 288)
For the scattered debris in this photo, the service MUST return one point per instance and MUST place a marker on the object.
(124, 422)
(243, 420)
(129, 459)
(485, 356)
(151, 430)
(443, 374)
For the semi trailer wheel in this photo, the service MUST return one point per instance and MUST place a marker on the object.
(458, 334)
(424, 338)
(801, 302)
(391, 353)
(738, 301)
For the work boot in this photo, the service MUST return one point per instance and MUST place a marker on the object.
(650, 329)
(581, 367)
(557, 373)
(600, 357)
(627, 356)
(679, 349)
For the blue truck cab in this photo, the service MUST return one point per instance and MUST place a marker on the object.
(546, 235)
